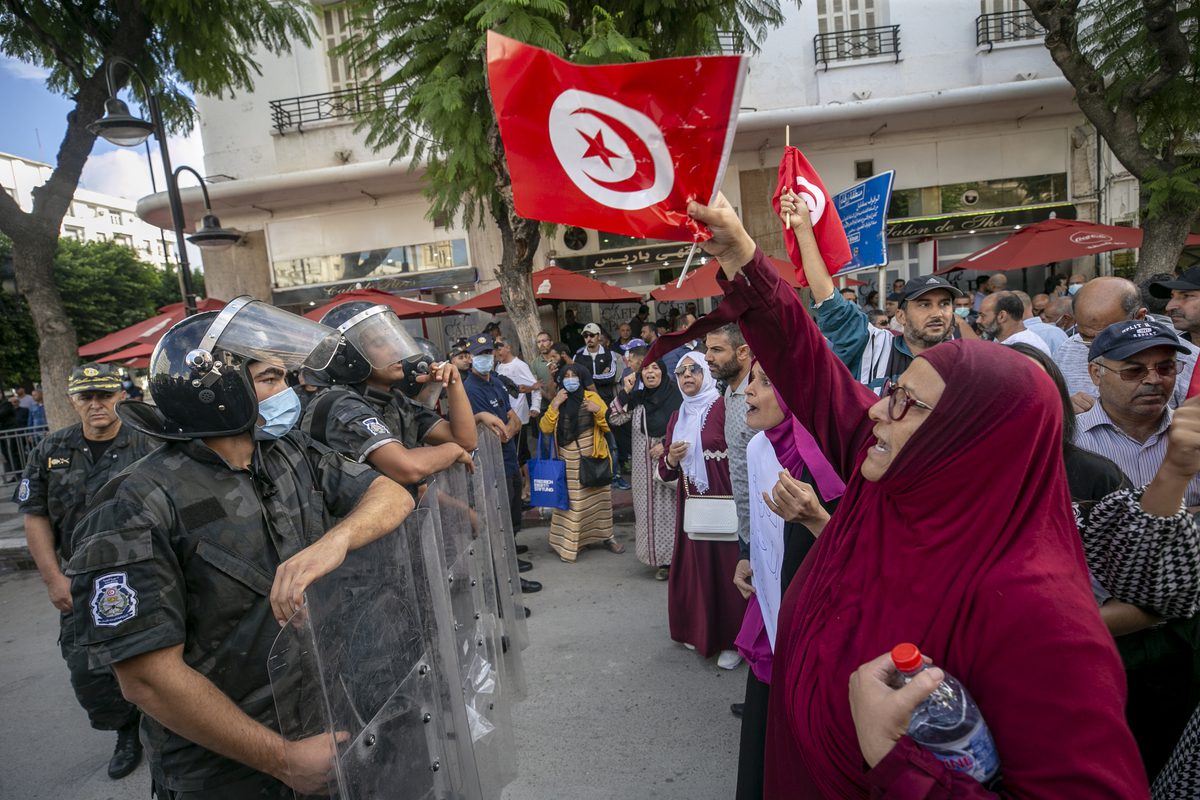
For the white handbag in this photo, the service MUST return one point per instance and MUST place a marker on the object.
(711, 518)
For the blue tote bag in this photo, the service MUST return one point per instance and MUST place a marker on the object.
(548, 480)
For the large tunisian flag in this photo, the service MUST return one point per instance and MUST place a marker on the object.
(620, 148)
(797, 174)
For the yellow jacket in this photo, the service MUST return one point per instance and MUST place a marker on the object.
(549, 424)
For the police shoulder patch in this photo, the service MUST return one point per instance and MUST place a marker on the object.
(375, 427)
(114, 600)
(23, 491)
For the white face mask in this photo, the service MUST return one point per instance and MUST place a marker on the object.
(1073, 288)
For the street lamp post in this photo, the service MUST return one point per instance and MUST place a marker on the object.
(123, 129)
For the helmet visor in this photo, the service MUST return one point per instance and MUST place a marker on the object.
(258, 331)
(378, 334)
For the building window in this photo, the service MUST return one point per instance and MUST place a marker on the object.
(864, 169)
(101, 237)
(1005, 21)
(836, 16)
(123, 239)
(370, 264)
(983, 195)
(72, 232)
(853, 29)
(114, 217)
(339, 25)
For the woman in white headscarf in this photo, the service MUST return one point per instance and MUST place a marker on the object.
(704, 607)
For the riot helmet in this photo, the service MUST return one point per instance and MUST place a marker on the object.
(348, 366)
(421, 363)
(257, 331)
(377, 334)
(195, 396)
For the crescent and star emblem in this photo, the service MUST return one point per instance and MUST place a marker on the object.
(813, 197)
(615, 155)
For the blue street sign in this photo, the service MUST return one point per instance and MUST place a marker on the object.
(863, 209)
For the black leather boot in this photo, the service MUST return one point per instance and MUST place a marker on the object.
(128, 752)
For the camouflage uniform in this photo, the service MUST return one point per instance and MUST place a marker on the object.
(60, 481)
(183, 550)
(357, 423)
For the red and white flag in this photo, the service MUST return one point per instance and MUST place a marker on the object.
(796, 173)
(620, 148)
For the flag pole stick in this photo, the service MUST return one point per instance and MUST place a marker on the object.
(787, 142)
(687, 263)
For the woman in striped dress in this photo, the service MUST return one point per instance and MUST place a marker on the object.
(653, 399)
(576, 418)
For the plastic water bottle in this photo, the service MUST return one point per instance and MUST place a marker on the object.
(948, 723)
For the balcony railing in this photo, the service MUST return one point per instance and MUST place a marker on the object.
(1006, 26)
(731, 42)
(858, 43)
(295, 112)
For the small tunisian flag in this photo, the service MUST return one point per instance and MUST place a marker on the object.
(797, 173)
(619, 148)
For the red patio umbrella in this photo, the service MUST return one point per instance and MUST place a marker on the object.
(404, 308)
(148, 331)
(554, 284)
(138, 351)
(1050, 241)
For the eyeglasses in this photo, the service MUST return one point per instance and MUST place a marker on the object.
(590, 335)
(899, 401)
(684, 369)
(1138, 372)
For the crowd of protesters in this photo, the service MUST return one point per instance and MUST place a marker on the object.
(1007, 481)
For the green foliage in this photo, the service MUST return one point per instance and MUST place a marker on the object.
(443, 115)
(188, 46)
(1152, 63)
(104, 287)
(168, 290)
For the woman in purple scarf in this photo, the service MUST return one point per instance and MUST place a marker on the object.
(786, 515)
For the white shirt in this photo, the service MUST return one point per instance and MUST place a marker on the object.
(1028, 337)
(519, 373)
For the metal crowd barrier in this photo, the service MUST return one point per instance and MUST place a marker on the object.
(15, 444)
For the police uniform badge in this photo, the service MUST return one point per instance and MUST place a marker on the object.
(23, 491)
(90, 372)
(375, 427)
(114, 600)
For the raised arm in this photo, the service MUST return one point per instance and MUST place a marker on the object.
(816, 386)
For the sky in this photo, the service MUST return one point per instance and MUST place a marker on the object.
(36, 132)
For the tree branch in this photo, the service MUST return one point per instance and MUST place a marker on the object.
(73, 65)
(12, 217)
(1165, 34)
(1119, 125)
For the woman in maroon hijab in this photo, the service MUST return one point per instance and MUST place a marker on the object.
(955, 532)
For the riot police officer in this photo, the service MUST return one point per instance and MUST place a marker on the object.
(189, 562)
(366, 417)
(63, 473)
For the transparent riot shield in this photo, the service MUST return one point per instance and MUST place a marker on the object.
(500, 531)
(482, 672)
(369, 659)
(495, 575)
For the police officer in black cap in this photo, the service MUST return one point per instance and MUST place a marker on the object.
(62, 475)
(365, 416)
(192, 559)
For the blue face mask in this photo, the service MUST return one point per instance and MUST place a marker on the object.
(963, 312)
(571, 384)
(1073, 288)
(483, 363)
(280, 413)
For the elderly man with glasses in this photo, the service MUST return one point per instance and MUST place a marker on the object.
(1134, 366)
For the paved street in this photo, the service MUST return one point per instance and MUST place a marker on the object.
(616, 711)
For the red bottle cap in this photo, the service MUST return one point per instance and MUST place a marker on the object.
(907, 657)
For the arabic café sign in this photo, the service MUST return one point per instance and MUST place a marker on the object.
(659, 256)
